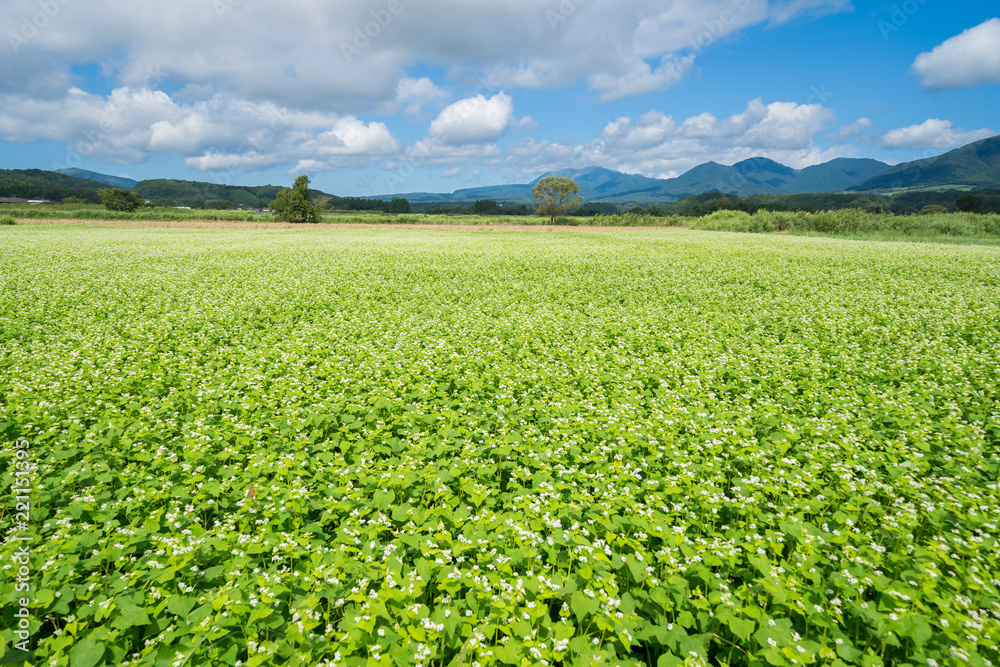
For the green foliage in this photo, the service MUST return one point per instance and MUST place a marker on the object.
(391, 447)
(119, 199)
(597, 208)
(556, 196)
(932, 209)
(182, 193)
(969, 204)
(293, 205)
(145, 214)
(486, 207)
(850, 222)
(7, 219)
(399, 205)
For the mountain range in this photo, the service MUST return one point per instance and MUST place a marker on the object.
(753, 176)
(976, 165)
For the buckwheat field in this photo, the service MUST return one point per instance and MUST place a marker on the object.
(399, 447)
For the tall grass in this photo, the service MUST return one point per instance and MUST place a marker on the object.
(853, 222)
(634, 220)
(7, 219)
(78, 212)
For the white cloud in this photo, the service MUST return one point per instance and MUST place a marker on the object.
(224, 132)
(350, 56)
(932, 133)
(657, 145)
(251, 161)
(964, 61)
(473, 120)
(642, 78)
(412, 95)
(193, 92)
(852, 130)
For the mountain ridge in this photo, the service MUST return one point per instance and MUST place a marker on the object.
(976, 165)
(114, 181)
(748, 177)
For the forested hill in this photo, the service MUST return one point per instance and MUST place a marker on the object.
(39, 184)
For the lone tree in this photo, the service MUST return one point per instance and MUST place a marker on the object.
(555, 196)
(969, 204)
(120, 199)
(293, 205)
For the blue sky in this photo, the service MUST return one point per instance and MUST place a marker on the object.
(395, 96)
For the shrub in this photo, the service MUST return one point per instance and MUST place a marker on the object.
(120, 199)
(7, 219)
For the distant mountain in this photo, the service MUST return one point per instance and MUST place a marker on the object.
(976, 164)
(837, 175)
(39, 184)
(749, 177)
(115, 181)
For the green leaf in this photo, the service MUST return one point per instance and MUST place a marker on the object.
(740, 627)
(129, 616)
(86, 653)
(668, 659)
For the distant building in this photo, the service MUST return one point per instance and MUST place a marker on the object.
(40, 201)
(12, 200)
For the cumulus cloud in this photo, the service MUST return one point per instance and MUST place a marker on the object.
(412, 95)
(351, 56)
(655, 144)
(224, 132)
(642, 78)
(932, 133)
(965, 61)
(473, 120)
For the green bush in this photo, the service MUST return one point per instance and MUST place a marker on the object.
(7, 219)
(120, 199)
(846, 222)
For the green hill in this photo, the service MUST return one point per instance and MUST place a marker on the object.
(39, 184)
(183, 193)
(977, 164)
